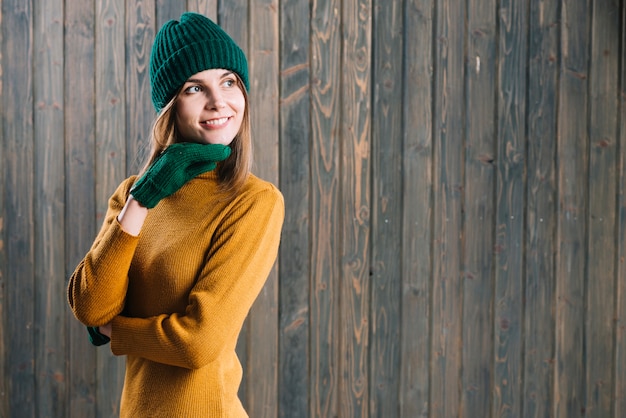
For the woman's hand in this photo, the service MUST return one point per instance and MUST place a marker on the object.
(132, 216)
(178, 164)
(96, 337)
(106, 329)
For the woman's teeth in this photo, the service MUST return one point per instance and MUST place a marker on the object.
(215, 121)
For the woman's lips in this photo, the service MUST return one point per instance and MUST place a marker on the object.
(215, 123)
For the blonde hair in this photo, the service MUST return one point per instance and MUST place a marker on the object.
(232, 172)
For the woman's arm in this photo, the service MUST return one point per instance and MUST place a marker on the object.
(131, 219)
(97, 288)
(243, 252)
(105, 329)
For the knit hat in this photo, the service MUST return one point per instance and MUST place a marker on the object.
(189, 46)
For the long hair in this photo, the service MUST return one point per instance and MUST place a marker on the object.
(233, 172)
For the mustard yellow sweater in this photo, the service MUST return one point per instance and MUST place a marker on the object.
(178, 294)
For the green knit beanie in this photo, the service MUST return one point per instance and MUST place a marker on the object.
(189, 46)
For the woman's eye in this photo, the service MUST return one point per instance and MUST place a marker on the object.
(229, 82)
(192, 89)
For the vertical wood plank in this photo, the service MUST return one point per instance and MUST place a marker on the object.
(263, 62)
(479, 189)
(620, 293)
(167, 9)
(510, 201)
(417, 165)
(294, 264)
(140, 30)
(233, 18)
(111, 159)
(447, 298)
(264, 68)
(355, 209)
(572, 174)
(110, 101)
(619, 391)
(205, 7)
(80, 199)
(4, 389)
(387, 217)
(539, 320)
(600, 289)
(17, 27)
(49, 186)
(325, 238)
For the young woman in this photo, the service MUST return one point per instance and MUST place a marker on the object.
(187, 245)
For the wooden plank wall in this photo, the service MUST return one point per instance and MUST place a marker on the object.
(454, 175)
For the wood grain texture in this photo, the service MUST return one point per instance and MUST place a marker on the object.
(572, 173)
(4, 266)
(18, 21)
(387, 206)
(602, 217)
(166, 10)
(480, 179)
(80, 199)
(295, 184)
(539, 319)
(140, 31)
(448, 182)
(49, 187)
(325, 255)
(510, 202)
(355, 209)
(264, 68)
(417, 166)
(619, 391)
(112, 108)
(111, 104)
(454, 180)
(205, 7)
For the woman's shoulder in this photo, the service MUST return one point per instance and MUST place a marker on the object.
(257, 186)
(258, 201)
(259, 194)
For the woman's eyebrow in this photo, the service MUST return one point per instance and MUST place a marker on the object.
(198, 80)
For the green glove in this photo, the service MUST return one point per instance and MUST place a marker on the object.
(96, 337)
(178, 164)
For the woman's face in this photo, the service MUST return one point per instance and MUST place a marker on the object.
(210, 107)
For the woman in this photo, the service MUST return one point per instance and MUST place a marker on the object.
(187, 245)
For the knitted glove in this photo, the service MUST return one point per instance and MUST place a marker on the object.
(178, 164)
(96, 337)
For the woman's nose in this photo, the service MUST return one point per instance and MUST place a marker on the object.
(214, 99)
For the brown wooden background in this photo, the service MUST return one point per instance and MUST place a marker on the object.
(454, 174)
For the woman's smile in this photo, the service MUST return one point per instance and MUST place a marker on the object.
(216, 123)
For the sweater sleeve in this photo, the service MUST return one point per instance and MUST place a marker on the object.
(97, 288)
(237, 266)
